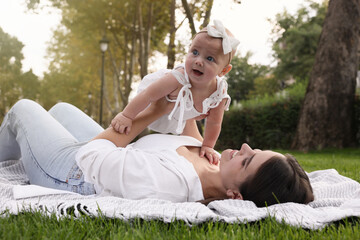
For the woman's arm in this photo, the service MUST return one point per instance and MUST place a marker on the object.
(144, 118)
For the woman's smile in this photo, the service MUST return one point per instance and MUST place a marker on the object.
(233, 153)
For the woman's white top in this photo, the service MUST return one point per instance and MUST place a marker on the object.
(148, 168)
(184, 109)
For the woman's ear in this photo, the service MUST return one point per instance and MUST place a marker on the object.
(225, 70)
(234, 194)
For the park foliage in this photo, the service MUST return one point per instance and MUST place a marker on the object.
(265, 99)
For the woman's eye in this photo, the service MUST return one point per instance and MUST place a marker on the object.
(244, 161)
(211, 59)
(195, 52)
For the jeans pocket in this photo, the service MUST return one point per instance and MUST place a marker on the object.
(75, 179)
(75, 176)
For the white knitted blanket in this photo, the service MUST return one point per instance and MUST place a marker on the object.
(336, 197)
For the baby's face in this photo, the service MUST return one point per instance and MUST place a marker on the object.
(205, 59)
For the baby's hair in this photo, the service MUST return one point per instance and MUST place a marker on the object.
(204, 30)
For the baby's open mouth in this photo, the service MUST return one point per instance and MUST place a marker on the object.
(197, 72)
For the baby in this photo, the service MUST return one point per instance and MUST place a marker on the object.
(195, 87)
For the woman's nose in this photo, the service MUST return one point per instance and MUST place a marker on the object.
(246, 149)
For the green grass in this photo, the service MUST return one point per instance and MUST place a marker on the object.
(345, 161)
(36, 226)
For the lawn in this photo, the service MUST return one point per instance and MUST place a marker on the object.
(346, 161)
(37, 226)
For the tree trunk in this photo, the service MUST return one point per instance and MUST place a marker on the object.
(116, 85)
(206, 21)
(130, 71)
(148, 30)
(327, 115)
(141, 39)
(171, 46)
(189, 16)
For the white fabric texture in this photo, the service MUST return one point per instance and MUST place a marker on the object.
(336, 197)
(184, 109)
(151, 161)
(228, 43)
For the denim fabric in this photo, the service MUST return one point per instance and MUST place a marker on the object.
(47, 143)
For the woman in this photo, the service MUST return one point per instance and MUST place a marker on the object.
(56, 153)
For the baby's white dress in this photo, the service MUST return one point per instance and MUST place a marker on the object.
(184, 109)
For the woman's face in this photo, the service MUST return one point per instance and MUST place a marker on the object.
(237, 165)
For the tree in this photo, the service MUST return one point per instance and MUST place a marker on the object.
(265, 85)
(326, 118)
(14, 84)
(295, 40)
(136, 29)
(204, 12)
(193, 11)
(242, 75)
(30, 85)
(74, 71)
(172, 31)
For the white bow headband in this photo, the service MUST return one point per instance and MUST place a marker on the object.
(228, 43)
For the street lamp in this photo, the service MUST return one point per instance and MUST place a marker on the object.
(89, 107)
(104, 42)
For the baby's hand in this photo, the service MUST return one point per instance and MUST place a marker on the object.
(210, 154)
(121, 124)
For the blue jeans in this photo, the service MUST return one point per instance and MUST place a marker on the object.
(47, 143)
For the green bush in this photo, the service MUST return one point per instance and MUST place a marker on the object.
(269, 122)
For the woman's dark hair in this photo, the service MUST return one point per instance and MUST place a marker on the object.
(278, 180)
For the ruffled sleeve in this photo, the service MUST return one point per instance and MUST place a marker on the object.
(215, 99)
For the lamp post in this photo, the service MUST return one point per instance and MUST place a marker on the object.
(89, 108)
(103, 47)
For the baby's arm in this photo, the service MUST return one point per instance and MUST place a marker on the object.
(142, 120)
(212, 132)
(160, 88)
